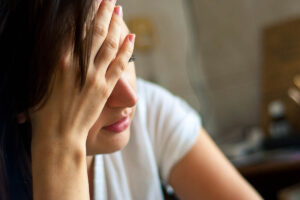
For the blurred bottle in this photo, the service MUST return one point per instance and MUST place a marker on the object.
(279, 125)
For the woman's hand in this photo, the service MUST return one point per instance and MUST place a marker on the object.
(70, 113)
(60, 127)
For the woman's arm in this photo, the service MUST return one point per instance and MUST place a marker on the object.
(60, 127)
(59, 170)
(205, 173)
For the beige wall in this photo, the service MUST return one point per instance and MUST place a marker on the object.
(169, 63)
(229, 42)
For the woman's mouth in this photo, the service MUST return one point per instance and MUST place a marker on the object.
(118, 126)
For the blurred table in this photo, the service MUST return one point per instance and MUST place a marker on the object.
(270, 171)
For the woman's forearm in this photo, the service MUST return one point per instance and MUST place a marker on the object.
(58, 155)
(59, 171)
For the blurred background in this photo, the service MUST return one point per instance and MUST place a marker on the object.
(237, 62)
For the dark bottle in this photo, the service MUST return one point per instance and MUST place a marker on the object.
(279, 126)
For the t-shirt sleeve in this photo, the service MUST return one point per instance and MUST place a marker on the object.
(173, 125)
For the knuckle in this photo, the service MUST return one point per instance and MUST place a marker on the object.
(95, 82)
(105, 92)
(104, 56)
(111, 44)
(98, 84)
(108, 7)
(128, 52)
(119, 67)
(121, 64)
(92, 81)
(100, 31)
(117, 21)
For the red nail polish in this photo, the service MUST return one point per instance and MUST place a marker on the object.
(118, 10)
(131, 37)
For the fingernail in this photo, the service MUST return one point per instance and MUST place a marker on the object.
(113, 1)
(118, 10)
(131, 37)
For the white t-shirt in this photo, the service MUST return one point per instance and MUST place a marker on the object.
(163, 130)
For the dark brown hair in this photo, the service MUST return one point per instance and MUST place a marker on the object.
(32, 36)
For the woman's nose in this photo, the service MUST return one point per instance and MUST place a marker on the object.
(123, 95)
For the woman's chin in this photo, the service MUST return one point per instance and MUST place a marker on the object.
(105, 142)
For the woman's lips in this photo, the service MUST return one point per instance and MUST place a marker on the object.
(119, 126)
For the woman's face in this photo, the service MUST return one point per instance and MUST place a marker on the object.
(111, 131)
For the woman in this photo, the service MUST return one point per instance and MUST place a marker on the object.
(69, 106)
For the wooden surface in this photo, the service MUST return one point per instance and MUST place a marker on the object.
(271, 172)
(268, 161)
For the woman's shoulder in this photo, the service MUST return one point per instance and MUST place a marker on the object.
(170, 123)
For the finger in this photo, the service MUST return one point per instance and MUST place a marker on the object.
(110, 46)
(102, 20)
(121, 61)
(124, 32)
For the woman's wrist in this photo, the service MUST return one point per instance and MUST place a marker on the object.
(59, 168)
(59, 153)
(53, 147)
(65, 146)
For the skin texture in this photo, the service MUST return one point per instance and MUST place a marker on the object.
(198, 175)
(122, 100)
(60, 128)
(69, 130)
(205, 173)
